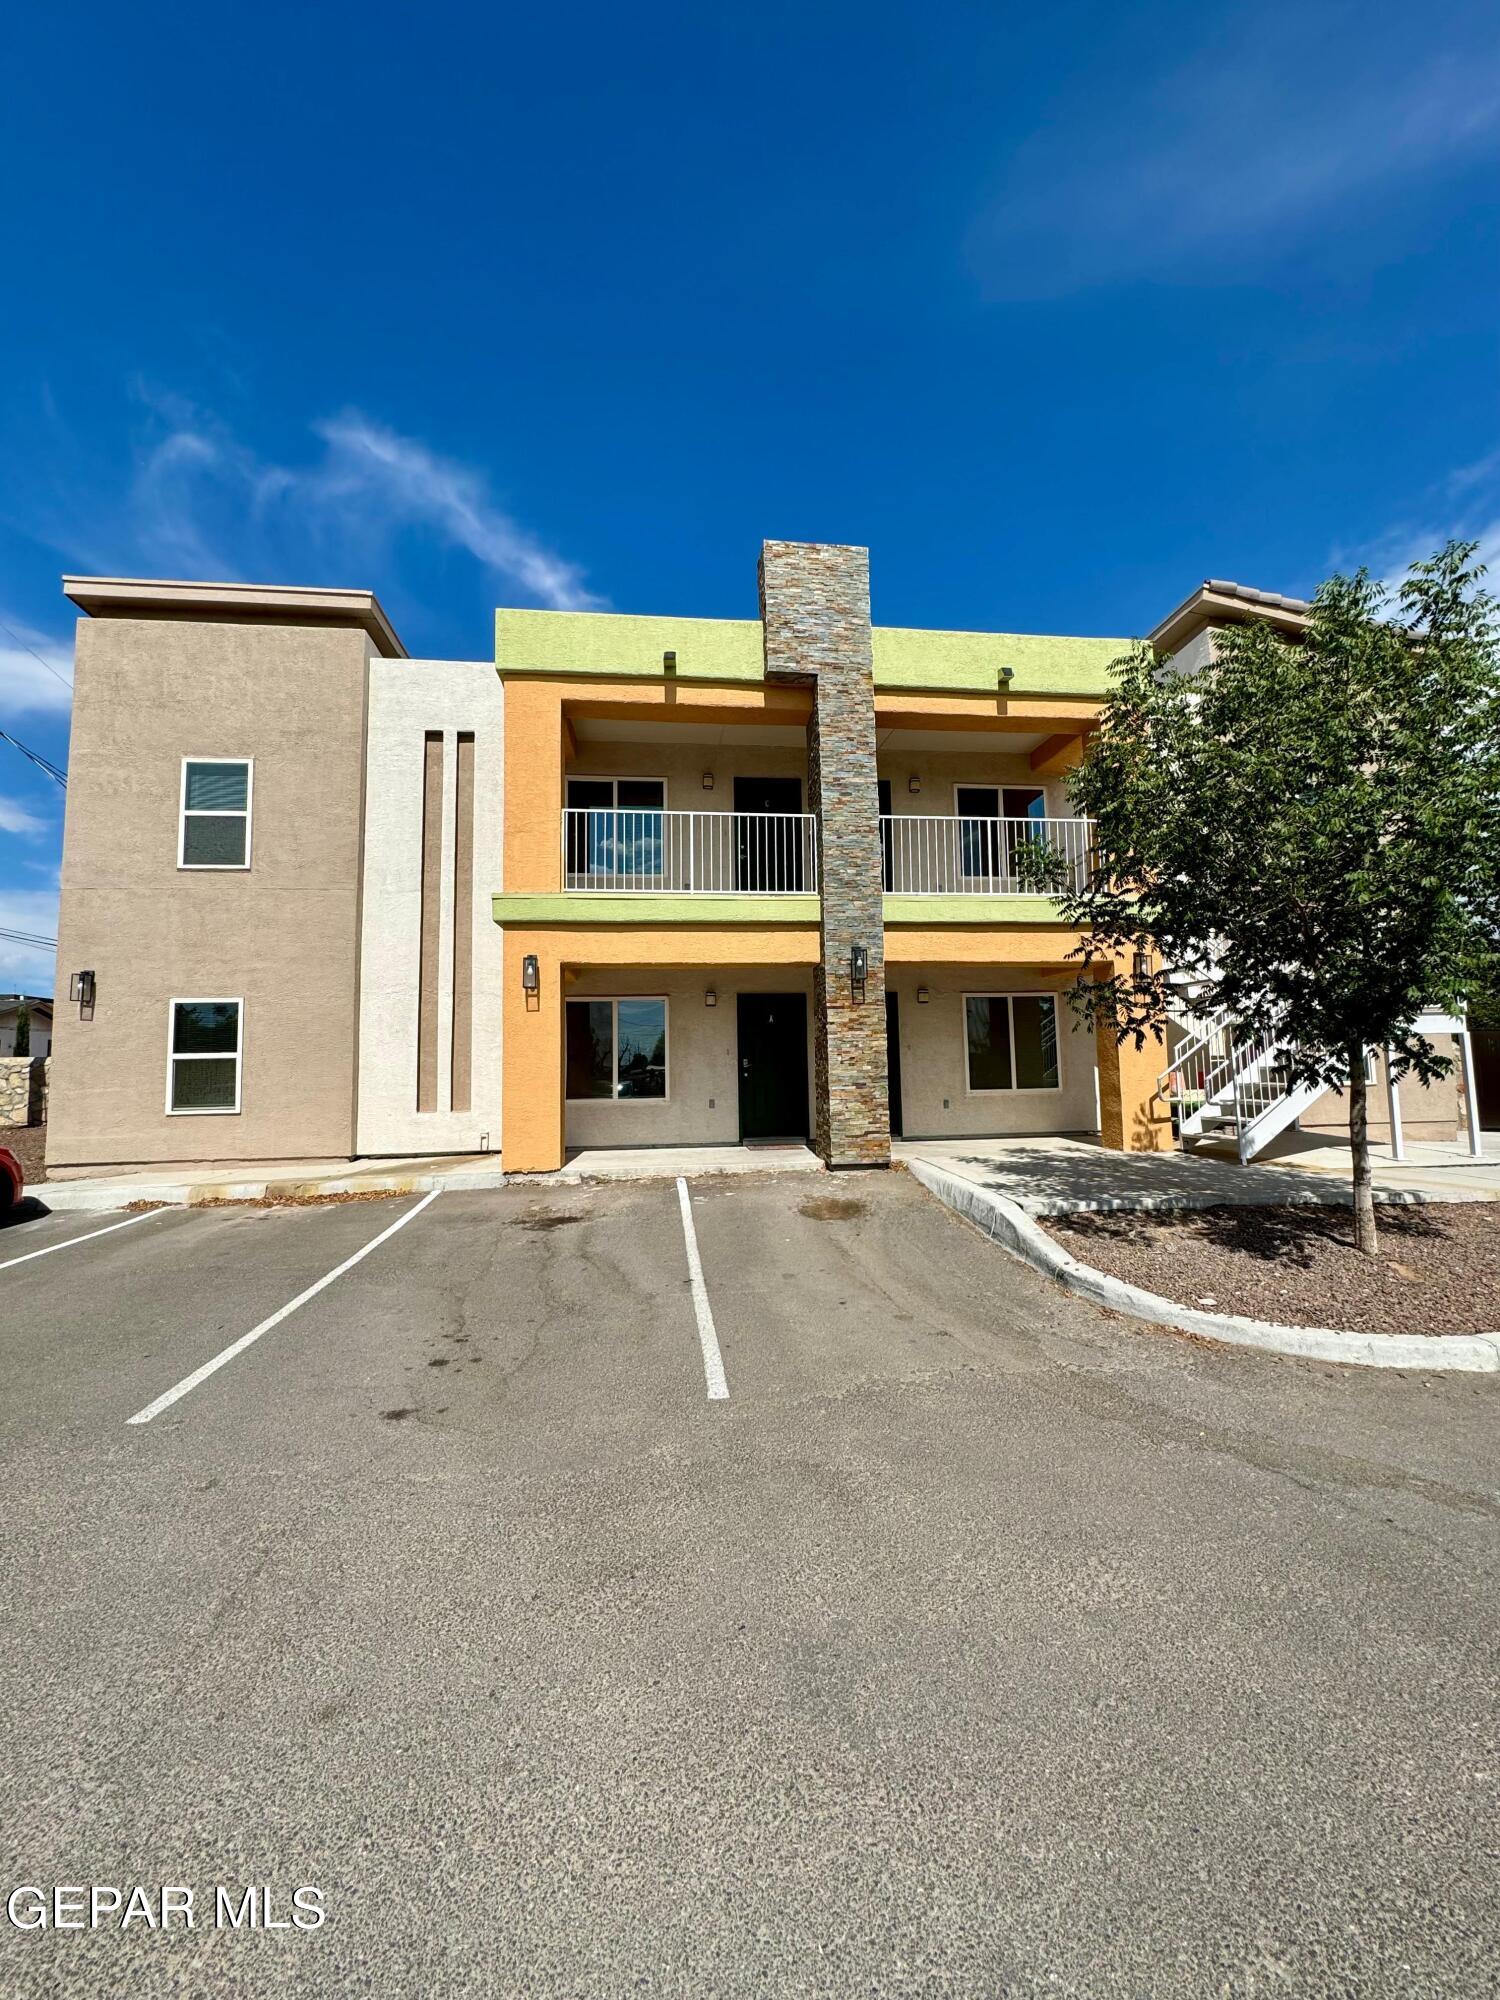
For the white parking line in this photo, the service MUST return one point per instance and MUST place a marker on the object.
(108, 1230)
(708, 1339)
(189, 1382)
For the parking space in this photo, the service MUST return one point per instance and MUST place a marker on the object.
(457, 1595)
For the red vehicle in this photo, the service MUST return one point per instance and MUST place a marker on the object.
(12, 1180)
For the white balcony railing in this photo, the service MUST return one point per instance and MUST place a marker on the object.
(929, 855)
(648, 853)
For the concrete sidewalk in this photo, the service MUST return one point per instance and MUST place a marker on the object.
(186, 1186)
(1064, 1176)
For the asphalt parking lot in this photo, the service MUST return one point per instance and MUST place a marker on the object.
(973, 1643)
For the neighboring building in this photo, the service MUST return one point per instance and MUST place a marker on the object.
(637, 881)
(40, 1009)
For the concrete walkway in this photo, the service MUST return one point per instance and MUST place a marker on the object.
(639, 1163)
(219, 1180)
(1062, 1176)
(186, 1186)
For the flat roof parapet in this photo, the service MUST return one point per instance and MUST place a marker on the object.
(235, 604)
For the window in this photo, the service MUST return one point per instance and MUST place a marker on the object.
(617, 1049)
(205, 1041)
(1011, 1041)
(215, 813)
(988, 835)
(615, 828)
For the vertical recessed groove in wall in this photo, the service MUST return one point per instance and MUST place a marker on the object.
(463, 924)
(432, 918)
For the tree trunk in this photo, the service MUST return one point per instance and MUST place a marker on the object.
(1359, 1147)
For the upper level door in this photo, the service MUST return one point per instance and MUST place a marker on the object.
(768, 850)
(987, 838)
(615, 832)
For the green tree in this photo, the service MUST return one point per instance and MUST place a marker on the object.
(1314, 826)
(23, 1028)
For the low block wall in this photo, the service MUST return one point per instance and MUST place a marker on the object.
(23, 1089)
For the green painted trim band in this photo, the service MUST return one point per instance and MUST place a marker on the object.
(607, 645)
(723, 912)
(980, 912)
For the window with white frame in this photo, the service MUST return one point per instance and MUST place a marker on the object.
(614, 828)
(215, 829)
(1010, 1042)
(616, 1049)
(205, 1045)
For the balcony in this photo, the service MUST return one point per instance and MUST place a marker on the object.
(933, 855)
(650, 853)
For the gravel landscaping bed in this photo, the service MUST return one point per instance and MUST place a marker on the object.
(1438, 1270)
(29, 1144)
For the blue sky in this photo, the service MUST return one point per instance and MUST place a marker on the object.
(1059, 310)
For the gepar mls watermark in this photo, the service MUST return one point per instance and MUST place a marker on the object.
(109, 1906)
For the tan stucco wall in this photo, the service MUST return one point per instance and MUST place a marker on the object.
(935, 1102)
(682, 766)
(1428, 1111)
(703, 1105)
(939, 771)
(283, 935)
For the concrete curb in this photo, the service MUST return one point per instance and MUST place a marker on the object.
(101, 1196)
(1007, 1224)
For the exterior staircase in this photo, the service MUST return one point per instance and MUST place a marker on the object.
(1228, 1087)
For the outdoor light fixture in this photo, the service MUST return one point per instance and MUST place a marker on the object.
(923, 996)
(531, 974)
(914, 783)
(81, 988)
(669, 663)
(1142, 965)
(708, 781)
(710, 997)
(1007, 675)
(859, 968)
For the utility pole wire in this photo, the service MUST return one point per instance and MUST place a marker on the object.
(36, 655)
(60, 777)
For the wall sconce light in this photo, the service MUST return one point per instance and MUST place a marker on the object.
(1007, 675)
(923, 996)
(914, 783)
(531, 974)
(710, 997)
(81, 988)
(708, 781)
(1142, 965)
(859, 969)
(669, 663)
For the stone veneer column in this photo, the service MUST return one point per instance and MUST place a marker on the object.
(815, 611)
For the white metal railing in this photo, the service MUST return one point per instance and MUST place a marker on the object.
(927, 854)
(645, 852)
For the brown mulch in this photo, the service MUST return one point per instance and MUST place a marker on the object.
(295, 1200)
(1438, 1270)
(29, 1144)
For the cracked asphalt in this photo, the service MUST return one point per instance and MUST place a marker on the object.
(979, 1644)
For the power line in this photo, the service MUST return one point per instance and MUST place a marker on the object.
(29, 937)
(36, 758)
(36, 655)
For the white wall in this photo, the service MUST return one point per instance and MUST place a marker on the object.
(408, 698)
(703, 1102)
(934, 1073)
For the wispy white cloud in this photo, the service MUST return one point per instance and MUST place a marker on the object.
(1464, 506)
(1275, 127)
(27, 968)
(36, 671)
(203, 504)
(16, 818)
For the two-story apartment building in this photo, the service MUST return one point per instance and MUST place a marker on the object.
(636, 881)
